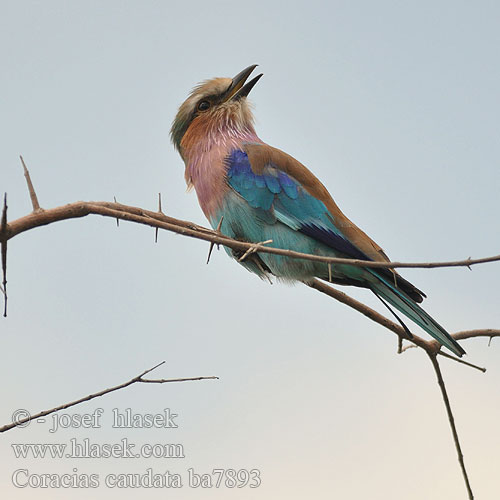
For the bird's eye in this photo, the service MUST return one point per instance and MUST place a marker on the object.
(203, 105)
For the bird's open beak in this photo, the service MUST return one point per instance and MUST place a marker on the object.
(238, 87)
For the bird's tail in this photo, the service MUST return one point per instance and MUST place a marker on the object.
(388, 291)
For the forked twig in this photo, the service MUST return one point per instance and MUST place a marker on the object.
(255, 247)
(138, 379)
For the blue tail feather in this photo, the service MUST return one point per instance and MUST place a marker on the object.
(412, 310)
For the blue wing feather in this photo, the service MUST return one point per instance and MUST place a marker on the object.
(273, 190)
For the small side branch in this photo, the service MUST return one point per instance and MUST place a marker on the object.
(462, 361)
(451, 420)
(138, 379)
(471, 334)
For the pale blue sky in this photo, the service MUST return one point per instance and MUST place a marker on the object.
(393, 105)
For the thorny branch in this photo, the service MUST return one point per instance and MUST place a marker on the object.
(159, 220)
(162, 221)
(138, 379)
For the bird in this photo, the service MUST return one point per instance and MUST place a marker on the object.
(253, 192)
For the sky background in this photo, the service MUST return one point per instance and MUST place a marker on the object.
(394, 105)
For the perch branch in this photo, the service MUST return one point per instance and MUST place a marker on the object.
(162, 221)
(138, 379)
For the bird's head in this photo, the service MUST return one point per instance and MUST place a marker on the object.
(215, 107)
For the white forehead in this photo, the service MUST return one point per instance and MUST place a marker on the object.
(207, 88)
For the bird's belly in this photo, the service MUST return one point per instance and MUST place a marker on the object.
(240, 221)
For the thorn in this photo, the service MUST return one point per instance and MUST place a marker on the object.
(219, 225)
(470, 268)
(31, 189)
(3, 242)
(330, 272)
(159, 211)
(400, 345)
(117, 219)
(489, 341)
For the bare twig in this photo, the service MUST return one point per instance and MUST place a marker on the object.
(31, 189)
(470, 334)
(138, 379)
(167, 380)
(458, 360)
(451, 420)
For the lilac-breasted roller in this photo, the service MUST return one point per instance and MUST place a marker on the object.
(261, 193)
